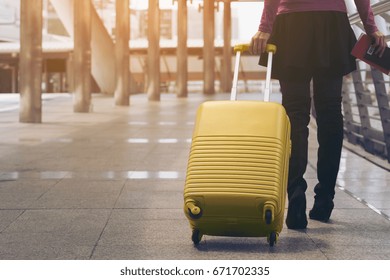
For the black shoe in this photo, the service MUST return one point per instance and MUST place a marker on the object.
(322, 209)
(296, 215)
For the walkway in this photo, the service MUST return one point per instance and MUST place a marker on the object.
(109, 185)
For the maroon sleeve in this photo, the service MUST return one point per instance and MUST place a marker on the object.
(268, 16)
(366, 15)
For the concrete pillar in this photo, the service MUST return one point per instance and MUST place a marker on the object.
(103, 49)
(226, 79)
(208, 47)
(122, 36)
(30, 62)
(153, 59)
(182, 52)
(82, 56)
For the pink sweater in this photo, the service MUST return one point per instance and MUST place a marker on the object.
(274, 7)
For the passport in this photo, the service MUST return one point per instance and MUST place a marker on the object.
(365, 51)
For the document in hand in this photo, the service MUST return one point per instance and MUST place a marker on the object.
(365, 51)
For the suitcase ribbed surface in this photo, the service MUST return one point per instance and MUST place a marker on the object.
(235, 165)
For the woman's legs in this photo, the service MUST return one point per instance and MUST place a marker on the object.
(296, 100)
(327, 101)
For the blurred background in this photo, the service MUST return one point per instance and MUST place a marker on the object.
(245, 18)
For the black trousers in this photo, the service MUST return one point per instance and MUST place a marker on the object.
(327, 102)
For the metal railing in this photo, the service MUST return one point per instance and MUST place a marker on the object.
(366, 101)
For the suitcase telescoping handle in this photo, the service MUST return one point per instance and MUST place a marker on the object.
(238, 49)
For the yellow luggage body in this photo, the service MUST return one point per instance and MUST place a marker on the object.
(237, 170)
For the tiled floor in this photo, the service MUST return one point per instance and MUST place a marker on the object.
(109, 185)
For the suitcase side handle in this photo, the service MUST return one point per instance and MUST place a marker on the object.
(238, 49)
(194, 211)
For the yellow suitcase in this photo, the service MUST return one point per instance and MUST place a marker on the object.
(238, 167)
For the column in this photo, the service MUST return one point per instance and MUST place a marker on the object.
(226, 79)
(153, 65)
(30, 62)
(102, 46)
(208, 47)
(82, 56)
(182, 54)
(122, 36)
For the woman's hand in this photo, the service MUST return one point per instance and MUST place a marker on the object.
(258, 42)
(380, 42)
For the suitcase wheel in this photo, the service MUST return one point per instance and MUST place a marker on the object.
(196, 236)
(272, 238)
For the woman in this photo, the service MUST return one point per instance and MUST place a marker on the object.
(314, 40)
